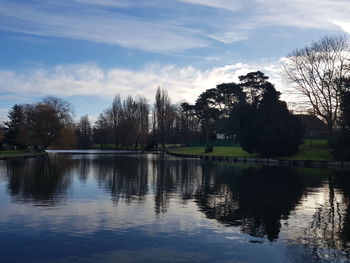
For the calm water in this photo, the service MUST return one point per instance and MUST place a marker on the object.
(154, 208)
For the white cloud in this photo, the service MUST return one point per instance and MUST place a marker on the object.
(231, 5)
(118, 3)
(345, 26)
(318, 14)
(252, 16)
(166, 26)
(228, 37)
(3, 115)
(182, 83)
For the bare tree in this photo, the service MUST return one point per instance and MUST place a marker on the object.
(143, 120)
(84, 132)
(163, 116)
(102, 130)
(115, 115)
(45, 120)
(316, 70)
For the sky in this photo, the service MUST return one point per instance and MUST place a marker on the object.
(86, 51)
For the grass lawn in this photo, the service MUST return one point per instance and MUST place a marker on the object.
(218, 151)
(11, 153)
(315, 144)
(321, 154)
(312, 155)
(18, 153)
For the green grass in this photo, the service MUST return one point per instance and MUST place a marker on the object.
(304, 153)
(312, 155)
(13, 153)
(218, 151)
(315, 144)
(18, 153)
(115, 147)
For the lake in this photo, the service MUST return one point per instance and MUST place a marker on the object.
(158, 208)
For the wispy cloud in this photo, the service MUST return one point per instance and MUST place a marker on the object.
(169, 26)
(231, 5)
(99, 26)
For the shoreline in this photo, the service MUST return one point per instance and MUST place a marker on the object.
(248, 160)
(22, 155)
(268, 161)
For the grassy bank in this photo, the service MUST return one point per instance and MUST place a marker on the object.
(18, 153)
(319, 151)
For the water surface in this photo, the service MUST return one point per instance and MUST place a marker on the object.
(156, 208)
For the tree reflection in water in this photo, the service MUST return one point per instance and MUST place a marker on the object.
(327, 236)
(252, 198)
(43, 181)
(125, 177)
(259, 201)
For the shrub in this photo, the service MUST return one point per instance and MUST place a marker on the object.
(208, 149)
(340, 143)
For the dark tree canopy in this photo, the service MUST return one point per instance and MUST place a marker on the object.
(38, 124)
(15, 125)
(340, 140)
(263, 122)
(84, 132)
(45, 120)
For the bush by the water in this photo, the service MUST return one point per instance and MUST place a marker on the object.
(208, 149)
(340, 144)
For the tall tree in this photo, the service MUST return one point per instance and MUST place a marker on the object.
(102, 130)
(15, 126)
(84, 132)
(189, 123)
(315, 71)
(115, 117)
(213, 108)
(125, 122)
(340, 142)
(345, 103)
(143, 120)
(163, 116)
(263, 123)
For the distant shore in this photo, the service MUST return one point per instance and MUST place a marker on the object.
(229, 154)
(16, 154)
(305, 158)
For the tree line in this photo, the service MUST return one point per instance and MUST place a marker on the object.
(249, 112)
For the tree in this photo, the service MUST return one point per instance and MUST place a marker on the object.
(2, 136)
(114, 114)
(15, 126)
(84, 132)
(102, 130)
(163, 118)
(143, 120)
(340, 141)
(189, 124)
(45, 120)
(67, 138)
(315, 70)
(263, 123)
(207, 112)
(345, 103)
(125, 122)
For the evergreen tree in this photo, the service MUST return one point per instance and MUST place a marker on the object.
(15, 126)
(340, 141)
(263, 122)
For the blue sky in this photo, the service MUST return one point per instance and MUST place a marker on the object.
(85, 51)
